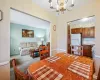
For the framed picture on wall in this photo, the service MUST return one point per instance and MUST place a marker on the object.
(1, 15)
(27, 33)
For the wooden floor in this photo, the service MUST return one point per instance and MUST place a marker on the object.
(5, 72)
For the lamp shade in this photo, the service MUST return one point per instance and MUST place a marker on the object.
(42, 39)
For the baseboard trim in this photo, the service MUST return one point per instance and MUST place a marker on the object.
(62, 50)
(4, 63)
(59, 50)
(53, 49)
(97, 56)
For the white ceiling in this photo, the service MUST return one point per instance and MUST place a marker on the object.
(45, 4)
(24, 19)
(85, 22)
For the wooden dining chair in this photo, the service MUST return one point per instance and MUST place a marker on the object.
(44, 52)
(18, 74)
(98, 78)
(13, 63)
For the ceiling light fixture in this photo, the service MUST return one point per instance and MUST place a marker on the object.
(84, 19)
(61, 5)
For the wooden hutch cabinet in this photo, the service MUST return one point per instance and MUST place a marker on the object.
(87, 50)
(85, 33)
(88, 32)
(92, 32)
(76, 30)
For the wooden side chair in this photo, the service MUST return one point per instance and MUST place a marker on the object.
(18, 74)
(44, 52)
(98, 78)
(13, 63)
(48, 45)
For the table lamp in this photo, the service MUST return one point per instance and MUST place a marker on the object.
(42, 39)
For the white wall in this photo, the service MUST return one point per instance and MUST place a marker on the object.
(29, 20)
(81, 12)
(5, 32)
(61, 34)
(48, 35)
(25, 6)
(24, 19)
(29, 7)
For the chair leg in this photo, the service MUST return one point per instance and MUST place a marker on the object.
(15, 77)
(98, 78)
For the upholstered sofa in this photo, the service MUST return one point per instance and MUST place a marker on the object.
(26, 46)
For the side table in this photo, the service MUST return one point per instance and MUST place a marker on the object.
(34, 52)
(31, 52)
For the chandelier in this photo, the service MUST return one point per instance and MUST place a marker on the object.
(61, 5)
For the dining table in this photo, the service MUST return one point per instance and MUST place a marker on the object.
(61, 66)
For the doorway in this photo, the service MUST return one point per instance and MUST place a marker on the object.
(27, 33)
(81, 33)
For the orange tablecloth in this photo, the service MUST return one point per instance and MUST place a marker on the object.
(61, 66)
